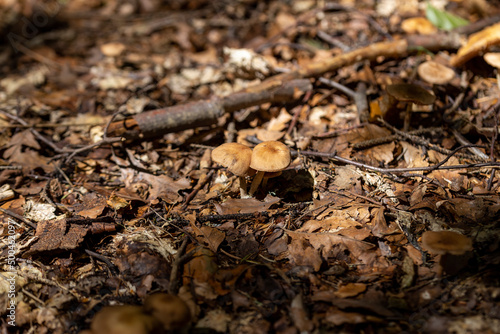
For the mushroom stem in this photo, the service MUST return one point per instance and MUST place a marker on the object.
(256, 181)
(264, 182)
(407, 121)
(243, 187)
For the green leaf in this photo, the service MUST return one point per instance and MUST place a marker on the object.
(442, 19)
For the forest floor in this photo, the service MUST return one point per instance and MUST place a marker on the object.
(110, 111)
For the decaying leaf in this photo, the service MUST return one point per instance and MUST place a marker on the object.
(477, 44)
(246, 205)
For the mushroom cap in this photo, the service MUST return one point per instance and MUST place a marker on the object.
(170, 310)
(435, 73)
(410, 93)
(270, 156)
(493, 59)
(123, 319)
(236, 157)
(443, 242)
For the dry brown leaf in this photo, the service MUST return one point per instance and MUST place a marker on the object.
(245, 205)
(414, 157)
(350, 290)
(164, 187)
(213, 237)
(378, 224)
(329, 245)
(91, 206)
(418, 25)
(31, 160)
(333, 224)
(338, 317)
(366, 303)
(477, 44)
(302, 254)
(18, 140)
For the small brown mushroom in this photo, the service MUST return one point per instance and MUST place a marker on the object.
(493, 59)
(124, 319)
(410, 94)
(453, 249)
(435, 73)
(268, 156)
(170, 310)
(446, 242)
(236, 157)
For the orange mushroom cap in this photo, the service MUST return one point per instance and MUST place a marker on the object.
(170, 310)
(435, 73)
(236, 157)
(270, 156)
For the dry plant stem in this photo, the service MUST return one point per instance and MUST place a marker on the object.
(172, 288)
(255, 183)
(388, 139)
(358, 96)
(463, 141)
(110, 140)
(400, 170)
(338, 132)
(420, 141)
(54, 146)
(104, 259)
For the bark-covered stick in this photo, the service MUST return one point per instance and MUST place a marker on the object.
(158, 122)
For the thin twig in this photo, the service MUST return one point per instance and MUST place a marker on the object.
(463, 141)
(420, 141)
(19, 217)
(437, 166)
(104, 141)
(388, 139)
(104, 259)
(197, 188)
(179, 260)
(34, 132)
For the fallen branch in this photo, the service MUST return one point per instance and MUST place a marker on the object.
(392, 49)
(158, 122)
(279, 88)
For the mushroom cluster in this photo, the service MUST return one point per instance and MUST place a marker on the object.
(266, 160)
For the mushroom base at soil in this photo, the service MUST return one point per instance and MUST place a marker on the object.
(243, 187)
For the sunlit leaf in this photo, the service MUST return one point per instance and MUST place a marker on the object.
(442, 19)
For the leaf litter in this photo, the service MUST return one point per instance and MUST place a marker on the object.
(332, 244)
